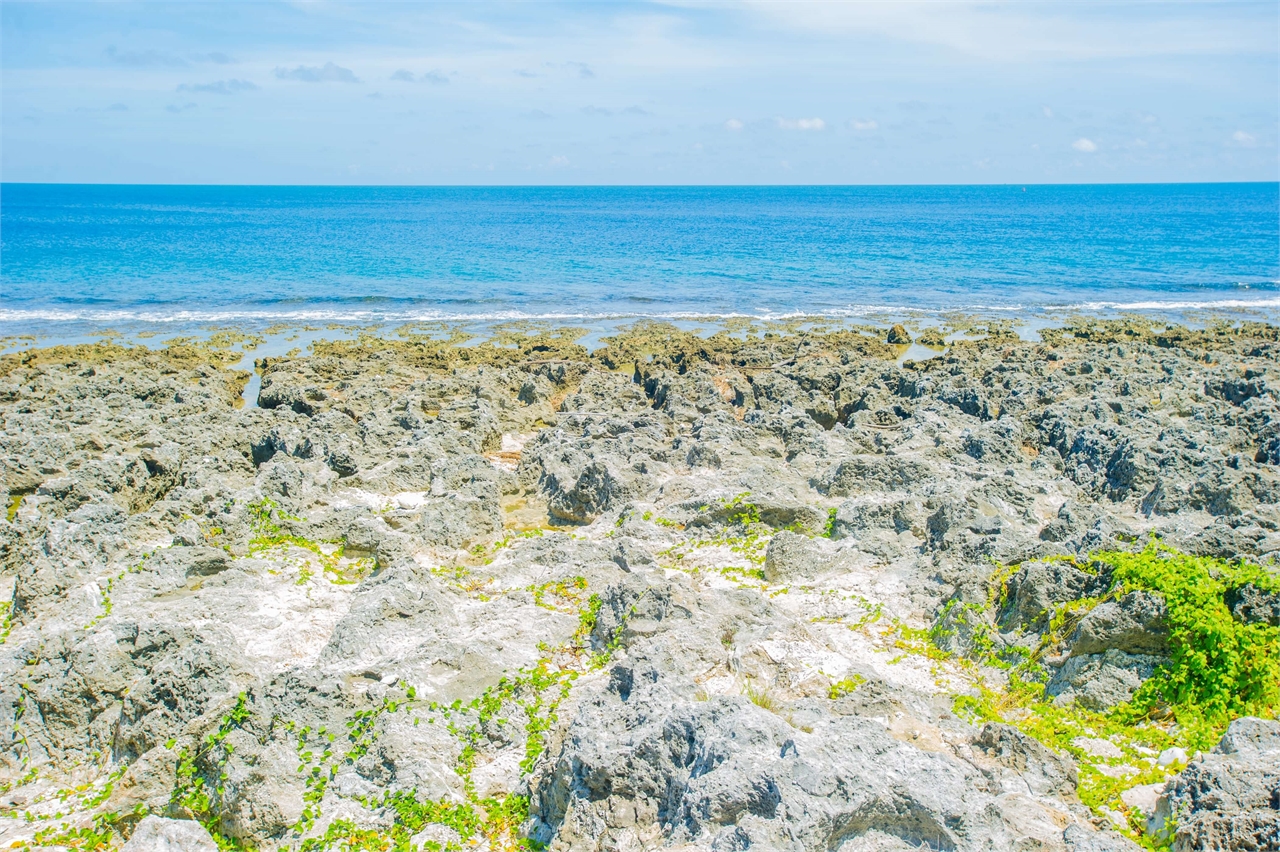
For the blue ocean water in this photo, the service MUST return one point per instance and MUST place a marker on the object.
(178, 256)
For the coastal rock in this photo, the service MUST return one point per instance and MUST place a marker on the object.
(1101, 681)
(898, 335)
(708, 591)
(158, 834)
(1230, 798)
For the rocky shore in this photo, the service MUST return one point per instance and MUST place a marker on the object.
(778, 591)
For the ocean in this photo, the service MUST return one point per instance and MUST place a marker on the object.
(75, 260)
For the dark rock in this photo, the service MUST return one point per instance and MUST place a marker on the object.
(1253, 605)
(1229, 799)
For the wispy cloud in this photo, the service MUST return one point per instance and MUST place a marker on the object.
(595, 110)
(179, 107)
(1243, 139)
(734, 124)
(143, 58)
(435, 77)
(636, 110)
(1011, 32)
(327, 73)
(802, 124)
(864, 126)
(1085, 146)
(220, 87)
(217, 58)
(1048, 113)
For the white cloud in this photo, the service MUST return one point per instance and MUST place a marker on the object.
(870, 124)
(802, 124)
(1084, 146)
(733, 124)
(558, 162)
(1244, 140)
(1048, 113)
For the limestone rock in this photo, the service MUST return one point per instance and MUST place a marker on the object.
(158, 834)
(1230, 798)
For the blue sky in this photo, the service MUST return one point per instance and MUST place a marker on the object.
(639, 93)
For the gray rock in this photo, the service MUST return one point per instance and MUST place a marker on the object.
(868, 474)
(684, 704)
(1229, 799)
(726, 772)
(1135, 624)
(1037, 587)
(791, 556)
(1101, 681)
(158, 834)
(1046, 773)
(1251, 604)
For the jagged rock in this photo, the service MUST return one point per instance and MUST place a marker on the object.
(726, 772)
(1044, 772)
(1101, 681)
(1135, 624)
(1251, 604)
(1230, 798)
(381, 552)
(1036, 587)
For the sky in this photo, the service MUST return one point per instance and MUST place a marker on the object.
(747, 92)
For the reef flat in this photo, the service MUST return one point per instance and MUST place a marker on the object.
(784, 590)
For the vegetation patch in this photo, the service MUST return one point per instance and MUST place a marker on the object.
(268, 535)
(1219, 668)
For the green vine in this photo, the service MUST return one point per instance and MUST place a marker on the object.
(1219, 669)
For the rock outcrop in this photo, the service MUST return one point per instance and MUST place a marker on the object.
(665, 594)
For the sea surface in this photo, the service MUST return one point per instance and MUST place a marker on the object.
(77, 259)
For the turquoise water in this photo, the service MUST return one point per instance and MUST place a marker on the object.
(73, 258)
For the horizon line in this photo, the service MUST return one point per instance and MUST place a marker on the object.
(230, 185)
